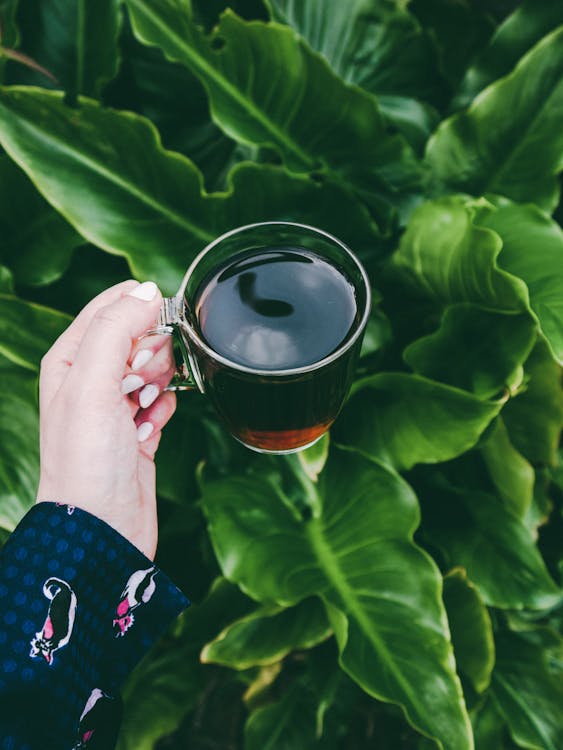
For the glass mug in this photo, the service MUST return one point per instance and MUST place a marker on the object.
(270, 405)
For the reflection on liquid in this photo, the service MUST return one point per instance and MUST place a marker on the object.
(270, 308)
(264, 347)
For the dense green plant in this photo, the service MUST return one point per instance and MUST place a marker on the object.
(396, 586)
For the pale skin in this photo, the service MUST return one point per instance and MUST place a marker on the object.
(102, 409)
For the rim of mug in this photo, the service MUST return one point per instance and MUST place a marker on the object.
(347, 344)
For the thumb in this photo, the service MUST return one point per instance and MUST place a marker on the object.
(106, 345)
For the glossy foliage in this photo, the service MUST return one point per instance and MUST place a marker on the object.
(397, 586)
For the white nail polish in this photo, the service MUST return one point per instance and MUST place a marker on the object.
(145, 291)
(144, 431)
(131, 383)
(148, 395)
(141, 358)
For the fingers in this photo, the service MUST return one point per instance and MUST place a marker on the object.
(146, 382)
(150, 421)
(60, 357)
(104, 351)
(149, 381)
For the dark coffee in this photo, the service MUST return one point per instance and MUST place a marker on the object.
(276, 309)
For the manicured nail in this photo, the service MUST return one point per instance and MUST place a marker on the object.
(148, 395)
(144, 430)
(141, 358)
(145, 291)
(131, 383)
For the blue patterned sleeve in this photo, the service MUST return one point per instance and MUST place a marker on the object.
(79, 607)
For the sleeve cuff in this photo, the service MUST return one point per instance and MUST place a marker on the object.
(120, 601)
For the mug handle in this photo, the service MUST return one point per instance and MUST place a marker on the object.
(187, 376)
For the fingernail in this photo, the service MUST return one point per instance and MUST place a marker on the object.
(145, 291)
(131, 383)
(148, 395)
(144, 430)
(141, 358)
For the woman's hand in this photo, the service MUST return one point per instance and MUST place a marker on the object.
(102, 409)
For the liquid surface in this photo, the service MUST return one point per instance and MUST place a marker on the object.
(276, 309)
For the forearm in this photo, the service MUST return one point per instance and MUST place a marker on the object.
(80, 605)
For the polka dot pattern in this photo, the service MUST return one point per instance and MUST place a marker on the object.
(87, 557)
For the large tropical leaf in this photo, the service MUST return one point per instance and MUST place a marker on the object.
(75, 40)
(175, 101)
(379, 47)
(124, 193)
(475, 349)
(406, 419)
(290, 100)
(475, 531)
(266, 636)
(531, 20)
(353, 549)
(532, 250)
(528, 687)
(19, 438)
(451, 259)
(27, 330)
(37, 243)
(535, 417)
(288, 723)
(520, 156)
(472, 630)
(511, 474)
(489, 728)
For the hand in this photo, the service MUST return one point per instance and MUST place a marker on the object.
(102, 410)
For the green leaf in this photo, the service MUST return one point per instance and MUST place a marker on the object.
(28, 330)
(356, 553)
(532, 243)
(175, 101)
(534, 418)
(460, 30)
(406, 419)
(489, 728)
(475, 349)
(265, 636)
(511, 474)
(472, 630)
(452, 259)
(267, 88)
(531, 20)
(37, 243)
(181, 448)
(288, 724)
(75, 40)
(484, 150)
(527, 688)
(19, 438)
(170, 680)
(474, 531)
(100, 171)
(380, 48)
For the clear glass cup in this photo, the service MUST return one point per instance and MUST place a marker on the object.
(268, 410)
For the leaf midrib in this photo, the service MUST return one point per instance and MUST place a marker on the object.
(200, 64)
(329, 565)
(113, 177)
